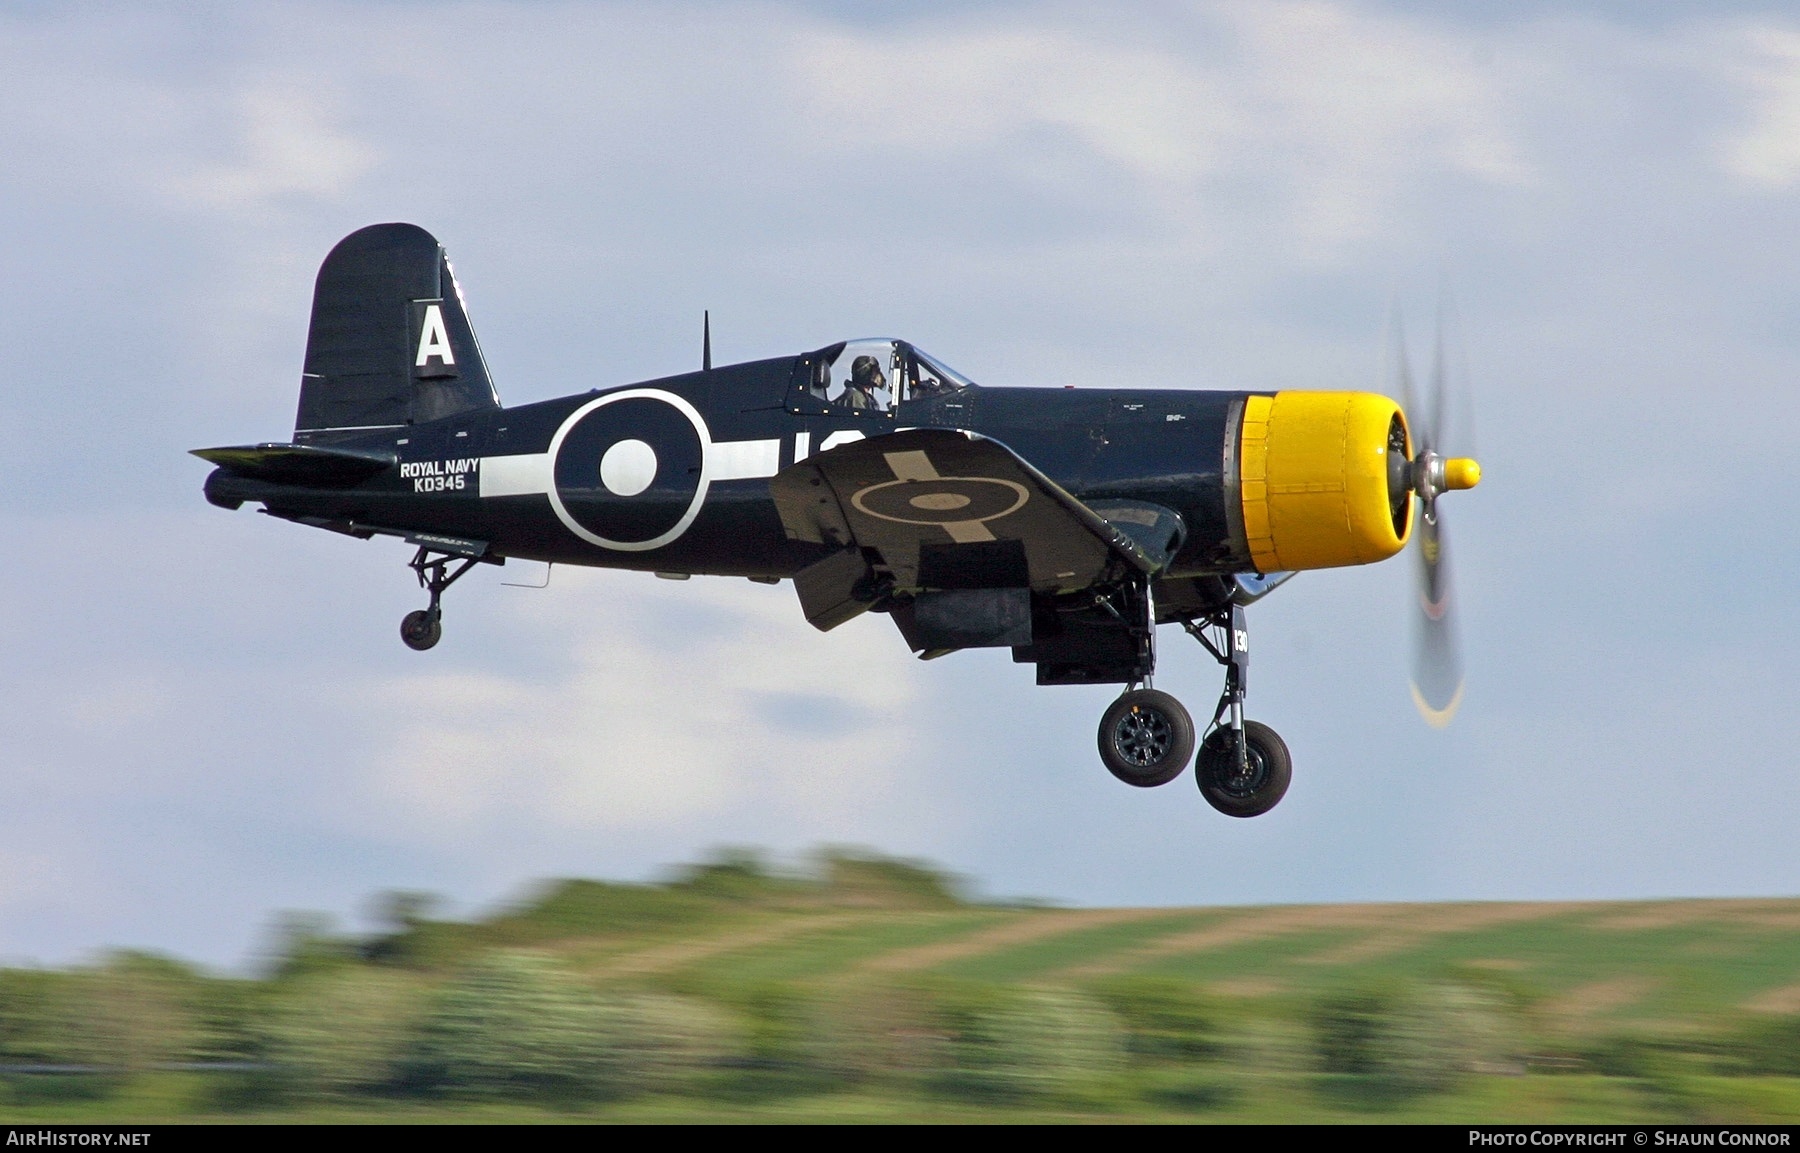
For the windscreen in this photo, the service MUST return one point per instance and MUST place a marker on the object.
(929, 377)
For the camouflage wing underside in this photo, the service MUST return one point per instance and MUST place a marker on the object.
(948, 510)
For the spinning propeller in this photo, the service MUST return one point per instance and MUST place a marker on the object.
(1437, 669)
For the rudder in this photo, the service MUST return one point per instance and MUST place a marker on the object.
(390, 342)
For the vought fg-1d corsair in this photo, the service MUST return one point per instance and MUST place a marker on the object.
(1063, 524)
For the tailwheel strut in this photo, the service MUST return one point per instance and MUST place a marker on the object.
(1243, 767)
(437, 571)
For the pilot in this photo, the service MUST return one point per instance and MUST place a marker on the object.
(865, 380)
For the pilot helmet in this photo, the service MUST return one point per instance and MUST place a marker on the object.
(866, 370)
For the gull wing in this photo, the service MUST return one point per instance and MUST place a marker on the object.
(936, 509)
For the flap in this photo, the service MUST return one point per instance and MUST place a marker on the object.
(829, 589)
(952, 510)
(301, 464)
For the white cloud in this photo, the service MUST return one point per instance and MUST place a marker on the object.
(288, 149)
(1336, 110)
(107, 704)
(744, 707)
(955, 90)
(37, 874)
(1766, 152)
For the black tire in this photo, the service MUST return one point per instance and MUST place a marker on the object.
(1146, 738)
(420, 629)
(1271, 768)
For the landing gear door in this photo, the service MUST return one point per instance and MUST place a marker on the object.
(857, 378)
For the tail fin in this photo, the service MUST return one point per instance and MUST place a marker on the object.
(390, 342)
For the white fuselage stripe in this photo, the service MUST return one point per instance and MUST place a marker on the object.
(532, 473)
(744, 459)
(524, 475)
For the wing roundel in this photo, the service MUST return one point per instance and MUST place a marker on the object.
(943, 510)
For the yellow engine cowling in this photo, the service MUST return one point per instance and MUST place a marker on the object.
(1317, 474)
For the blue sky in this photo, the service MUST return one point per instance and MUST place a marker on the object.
(210, 716)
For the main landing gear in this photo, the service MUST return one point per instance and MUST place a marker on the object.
(1147, 736)
(422, 628)
(1243, 768)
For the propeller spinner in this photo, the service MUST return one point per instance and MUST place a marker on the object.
(1437, 669)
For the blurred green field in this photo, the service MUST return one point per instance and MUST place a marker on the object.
(870, 990)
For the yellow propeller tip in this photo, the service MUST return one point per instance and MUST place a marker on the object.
(1437, 718)
(1461, 472)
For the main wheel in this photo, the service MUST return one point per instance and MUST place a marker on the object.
(1146, 738)
(420, 629)
(1254, 792)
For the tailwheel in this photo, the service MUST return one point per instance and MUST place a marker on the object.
(1246, 786)
(421, 629)
(1146, 738)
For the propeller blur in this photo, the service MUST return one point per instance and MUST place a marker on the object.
(1437, 668)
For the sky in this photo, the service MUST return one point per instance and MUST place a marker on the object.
(209, 717)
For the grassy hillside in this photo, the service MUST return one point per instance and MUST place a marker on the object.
(872, 990)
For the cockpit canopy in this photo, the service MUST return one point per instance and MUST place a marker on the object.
(871, 376)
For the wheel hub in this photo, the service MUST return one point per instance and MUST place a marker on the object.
(1143, 737)
(1246, 781)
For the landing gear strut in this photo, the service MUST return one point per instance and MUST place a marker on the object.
(1146, 736)
(422, 628)
(1243, 768)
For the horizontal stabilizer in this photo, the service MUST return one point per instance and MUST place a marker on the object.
(300, 464)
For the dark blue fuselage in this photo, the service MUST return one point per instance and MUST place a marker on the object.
(492, 475)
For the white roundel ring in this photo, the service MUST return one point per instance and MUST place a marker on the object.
(628, 467)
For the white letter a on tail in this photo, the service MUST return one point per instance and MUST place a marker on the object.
(433, 339)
